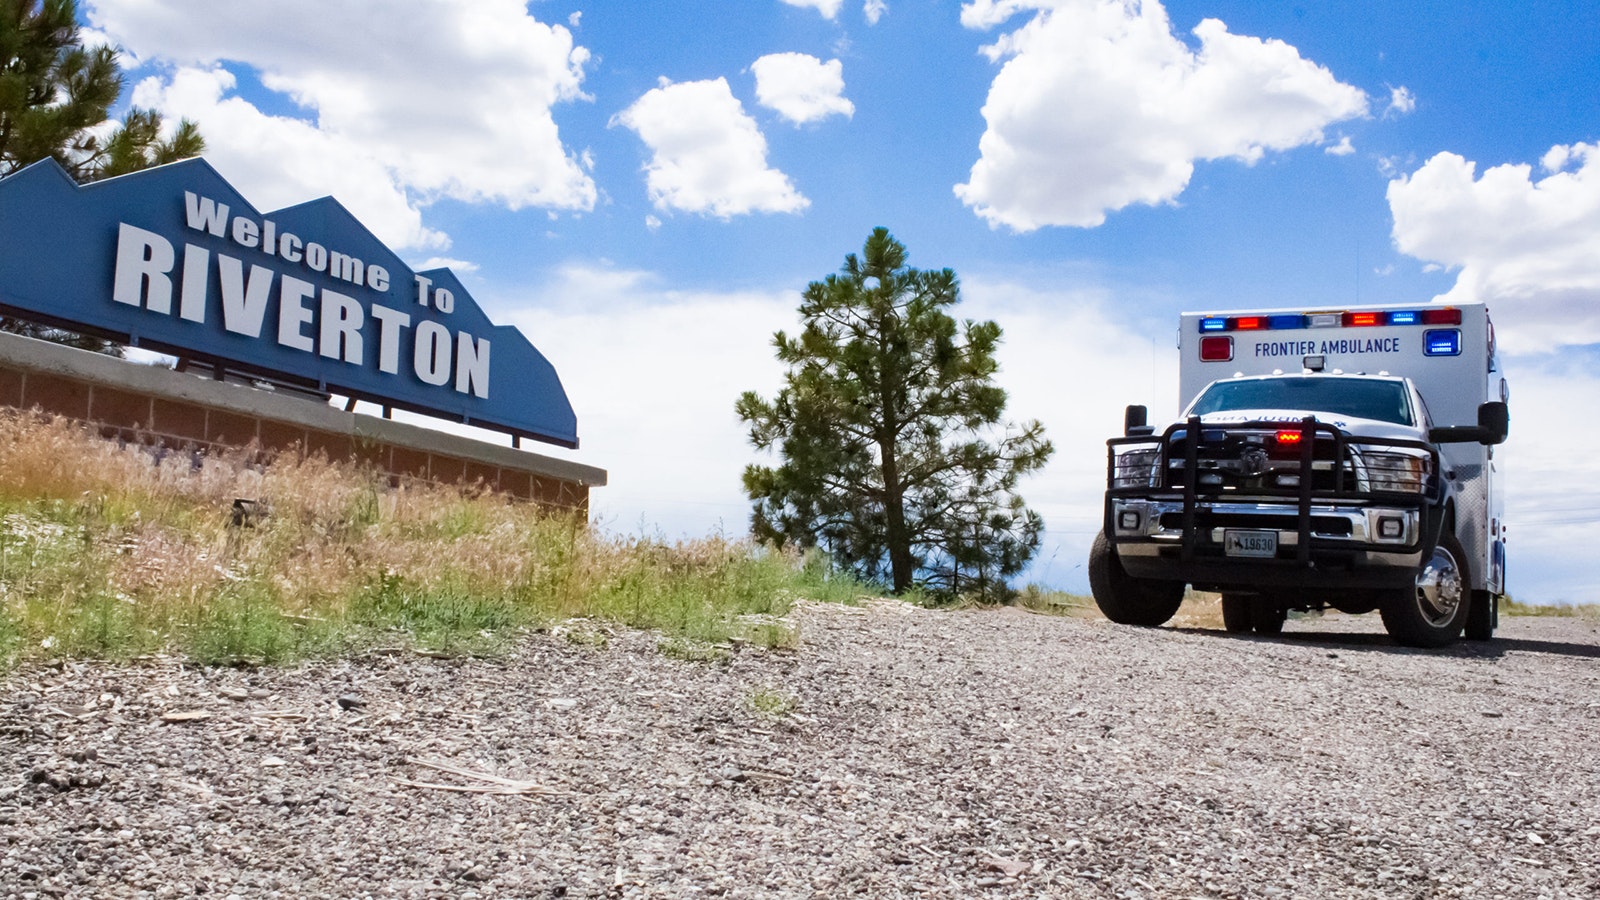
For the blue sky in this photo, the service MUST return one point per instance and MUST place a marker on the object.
(645, 188)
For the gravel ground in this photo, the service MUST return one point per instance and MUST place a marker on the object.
(896, 752)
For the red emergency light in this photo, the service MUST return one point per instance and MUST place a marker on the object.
(1216, 349)
(1289, 437)
(1362, 319)
(1447, 316)
(1250, 323)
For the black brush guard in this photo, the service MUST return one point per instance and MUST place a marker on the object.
(1319, 441)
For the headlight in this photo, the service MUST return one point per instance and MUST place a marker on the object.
(1139, 467)
(1404, 472)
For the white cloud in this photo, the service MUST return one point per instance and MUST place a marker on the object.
(459, 109)
(1401, 102)
(874, 10)
(708, 155)
(458, 266)
(1530, 248)
(277, 161)
(801, 87)
(1552, 494)
(1343, 148)
(655, 398)
(1098, 106)
(1135, 364)
(828, 8)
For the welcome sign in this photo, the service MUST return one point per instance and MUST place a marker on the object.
(173, 259)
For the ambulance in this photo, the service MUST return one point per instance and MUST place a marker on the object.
(1325, 459)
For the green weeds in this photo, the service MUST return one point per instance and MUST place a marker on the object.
(111, 552)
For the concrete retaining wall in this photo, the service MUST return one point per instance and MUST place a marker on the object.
(154, 404)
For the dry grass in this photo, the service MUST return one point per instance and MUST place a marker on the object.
(119, 550)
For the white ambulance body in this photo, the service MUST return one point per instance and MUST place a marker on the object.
(1448, 352)
(1283, 486)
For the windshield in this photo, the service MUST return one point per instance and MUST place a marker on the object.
(1384, 401)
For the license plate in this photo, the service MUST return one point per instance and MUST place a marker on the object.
(1262, 544)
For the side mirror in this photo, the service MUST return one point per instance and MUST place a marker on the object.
(1494, 419)
(1135, 421)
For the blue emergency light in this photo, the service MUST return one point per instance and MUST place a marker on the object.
(1442, 342)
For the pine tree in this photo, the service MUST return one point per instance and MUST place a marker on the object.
(55, 100)
(895, 458)
(56, 96)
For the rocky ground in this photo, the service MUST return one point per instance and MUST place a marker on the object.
(896, 752)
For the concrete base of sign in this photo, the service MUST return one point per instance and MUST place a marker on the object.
(153, 404)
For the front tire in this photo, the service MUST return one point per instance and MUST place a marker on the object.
(1236, 617)
(1267, 615)
(1127, 600)
(1432, 612)
(1244, 613)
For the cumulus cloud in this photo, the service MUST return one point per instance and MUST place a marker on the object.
(277, 161)
(828, 8)
(874, 10)
(655, 398)
(707, 155)
(1098, 105)
(1343, 148)
(1401, 102)
(459, 109)
(801, 87)
(1529, 247)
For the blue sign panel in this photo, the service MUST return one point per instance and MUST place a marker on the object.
(174, 259)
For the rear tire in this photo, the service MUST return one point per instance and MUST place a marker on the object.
(1481, 617)
(1433, 611)
(1236, 618)
(1127, 600)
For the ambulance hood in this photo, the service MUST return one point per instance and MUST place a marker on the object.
(1290, 418)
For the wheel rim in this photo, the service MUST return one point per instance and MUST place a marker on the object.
(1439, 589)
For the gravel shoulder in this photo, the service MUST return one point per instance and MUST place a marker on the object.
(896, 752)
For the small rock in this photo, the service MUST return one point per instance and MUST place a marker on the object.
(1008, 867)
(235, 694)
(1535, 839)
(351, 701)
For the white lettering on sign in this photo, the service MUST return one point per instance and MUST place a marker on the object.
(144, 266)
(1327, 347)
(390, 321)
(341, 327)
(293, 316)
(440, 298)
(324, 322)
(1285, 348)
(206, 215)
(472, 365)
(432, 352)
(1361, 345)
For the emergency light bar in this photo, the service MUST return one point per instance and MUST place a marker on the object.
(1448, 315)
